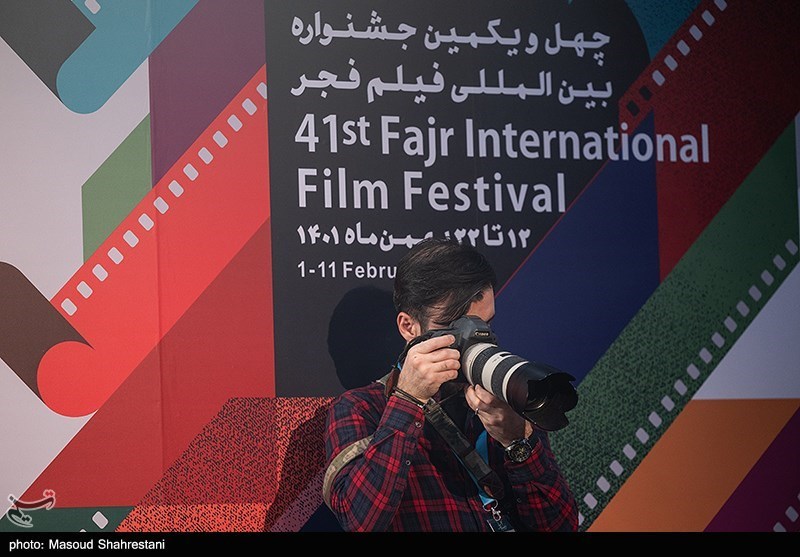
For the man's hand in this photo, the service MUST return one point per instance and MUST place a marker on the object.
(428, 365)
(499, 419)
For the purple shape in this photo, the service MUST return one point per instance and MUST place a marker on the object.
(570, 300)
(198, 69)
(768, 490)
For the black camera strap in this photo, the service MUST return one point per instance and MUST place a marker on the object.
(464, 450)
(459, 444)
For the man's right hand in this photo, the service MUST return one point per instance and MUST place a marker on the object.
(428, 365)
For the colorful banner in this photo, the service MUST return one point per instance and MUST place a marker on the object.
(203, 204)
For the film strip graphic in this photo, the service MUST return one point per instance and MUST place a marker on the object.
(638, 100)
(681, 334)
(257, 465)
(654, 421)
(160, 258)
(705, 74)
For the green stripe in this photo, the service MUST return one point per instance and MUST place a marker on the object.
(115, 188)
(630, 381)
(69, 520)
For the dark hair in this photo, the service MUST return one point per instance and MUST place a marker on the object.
(440, 278)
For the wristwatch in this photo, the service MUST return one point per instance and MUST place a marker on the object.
(519, 450)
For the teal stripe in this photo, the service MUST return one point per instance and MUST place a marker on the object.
(660, 20)
(125, 34)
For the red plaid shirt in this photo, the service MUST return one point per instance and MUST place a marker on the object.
(409, 479)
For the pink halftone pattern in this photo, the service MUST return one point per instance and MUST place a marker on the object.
(249, 466)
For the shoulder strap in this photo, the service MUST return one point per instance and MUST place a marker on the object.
(347, 454)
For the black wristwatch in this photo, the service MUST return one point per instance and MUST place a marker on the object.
(519, 450)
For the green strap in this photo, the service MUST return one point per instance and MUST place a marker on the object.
(346, 455)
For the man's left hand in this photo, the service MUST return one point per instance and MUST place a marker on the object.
(500, 420)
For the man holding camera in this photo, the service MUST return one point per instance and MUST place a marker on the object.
(424, 450)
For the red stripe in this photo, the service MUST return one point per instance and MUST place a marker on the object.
(735, 78)
(159, 278)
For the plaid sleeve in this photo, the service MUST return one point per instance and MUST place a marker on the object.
(545, 501)
(366, 492)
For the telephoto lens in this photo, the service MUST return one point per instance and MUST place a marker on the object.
(539, 392)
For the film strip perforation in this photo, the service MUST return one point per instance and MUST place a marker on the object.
(92, 5)
(643, 435)
(84, 288)
(791, 515)
(670, 62)
(99, 519)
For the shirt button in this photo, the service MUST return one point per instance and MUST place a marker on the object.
(417, 424)
(408, 463)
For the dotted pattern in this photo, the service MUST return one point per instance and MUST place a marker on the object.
(158, 202)
(256, 466)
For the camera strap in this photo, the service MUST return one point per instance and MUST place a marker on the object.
(474, 458)
(486, 478)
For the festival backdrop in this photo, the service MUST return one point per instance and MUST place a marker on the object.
(202, 203)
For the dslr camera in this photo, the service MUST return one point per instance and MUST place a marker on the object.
(540, 393)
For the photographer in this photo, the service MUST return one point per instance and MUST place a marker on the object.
(394, 466)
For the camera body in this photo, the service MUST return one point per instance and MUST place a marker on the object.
(539, 392)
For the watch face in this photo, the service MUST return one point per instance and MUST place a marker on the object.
(519, 451)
